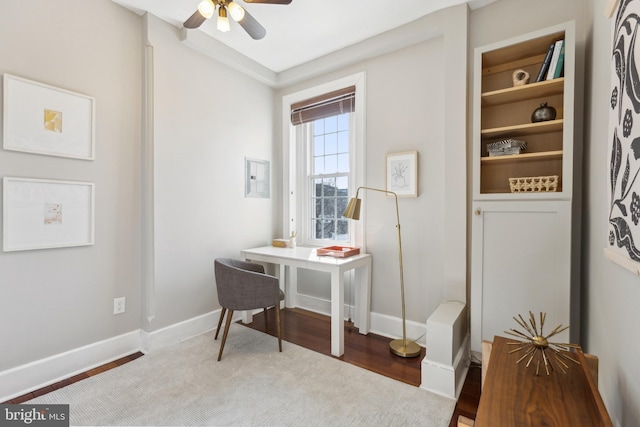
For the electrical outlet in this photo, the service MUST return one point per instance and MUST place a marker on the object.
(118, 305)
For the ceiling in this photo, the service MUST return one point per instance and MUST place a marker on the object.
(303, 30)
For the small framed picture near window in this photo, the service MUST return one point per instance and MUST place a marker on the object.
(40, 214)
(43, 119)
(402, 173)
(257, 178)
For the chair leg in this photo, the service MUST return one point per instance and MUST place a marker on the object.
(220, 322)
(226, 332)
(278, 326)
(264, 310)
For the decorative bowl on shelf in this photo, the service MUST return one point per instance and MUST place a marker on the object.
(534, 184)
(543, 113)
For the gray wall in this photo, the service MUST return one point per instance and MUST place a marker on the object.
(54, 300)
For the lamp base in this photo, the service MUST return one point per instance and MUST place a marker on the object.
(398, 347)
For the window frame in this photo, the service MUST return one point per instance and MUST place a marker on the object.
(293, 193)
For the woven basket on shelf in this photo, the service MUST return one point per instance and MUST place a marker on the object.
(534, 184)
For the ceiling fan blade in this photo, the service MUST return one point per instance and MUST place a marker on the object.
(252, 27)
(194, 20)
(268, 1)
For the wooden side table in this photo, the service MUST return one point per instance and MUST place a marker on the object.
(512, 395)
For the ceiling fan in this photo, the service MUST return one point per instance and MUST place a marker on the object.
(207, 8)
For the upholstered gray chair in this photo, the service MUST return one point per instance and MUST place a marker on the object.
(244, 285)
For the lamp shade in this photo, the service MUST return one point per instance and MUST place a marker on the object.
(236, 11)
(206, 8)
(353, 209)
(223, 20)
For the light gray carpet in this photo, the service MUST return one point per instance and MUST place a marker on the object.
(253, 385)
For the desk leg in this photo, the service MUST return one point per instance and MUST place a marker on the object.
(281, 271)
(363, 295)
(337, 313)
(247, 315)
(292, 286)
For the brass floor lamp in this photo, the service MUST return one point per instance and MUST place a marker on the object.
(400, 347)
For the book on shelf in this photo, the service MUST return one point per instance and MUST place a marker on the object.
(560, 66)
(542, 73)
(554, 59)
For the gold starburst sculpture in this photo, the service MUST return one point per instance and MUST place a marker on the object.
(538, 345)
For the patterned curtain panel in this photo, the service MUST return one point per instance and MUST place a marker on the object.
(624, 131)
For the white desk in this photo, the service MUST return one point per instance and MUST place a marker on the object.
(301, 257)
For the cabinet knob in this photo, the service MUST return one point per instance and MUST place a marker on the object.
(476, 212)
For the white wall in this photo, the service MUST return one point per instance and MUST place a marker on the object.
(56, 304)
(611, 294)
(405, 113)
(405, 110)
(55, 300)
(206, 119)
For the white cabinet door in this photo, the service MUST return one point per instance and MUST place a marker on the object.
(520, 262)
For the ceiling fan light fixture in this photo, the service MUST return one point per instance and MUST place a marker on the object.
(223, 21)
(236, 11)
(206, 8)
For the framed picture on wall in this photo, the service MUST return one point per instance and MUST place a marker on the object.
(402, 173)
(41, 213)
(257, 183)
(43, 119)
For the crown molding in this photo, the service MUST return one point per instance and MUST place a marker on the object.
(422, 29)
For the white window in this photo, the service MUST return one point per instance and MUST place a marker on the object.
(325, 158)
(325, 172)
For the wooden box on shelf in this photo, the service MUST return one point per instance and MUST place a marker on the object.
(280, 243)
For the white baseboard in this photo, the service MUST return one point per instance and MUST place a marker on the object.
(181, 331)
(381, 324)
(446, 363)
(447, 380)
(391, 327)
(23, 379)
(318, 305)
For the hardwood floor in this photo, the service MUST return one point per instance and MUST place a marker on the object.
(74, 379)
(313, 331)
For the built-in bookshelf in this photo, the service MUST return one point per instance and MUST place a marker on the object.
(523, 243)
(504, 111)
